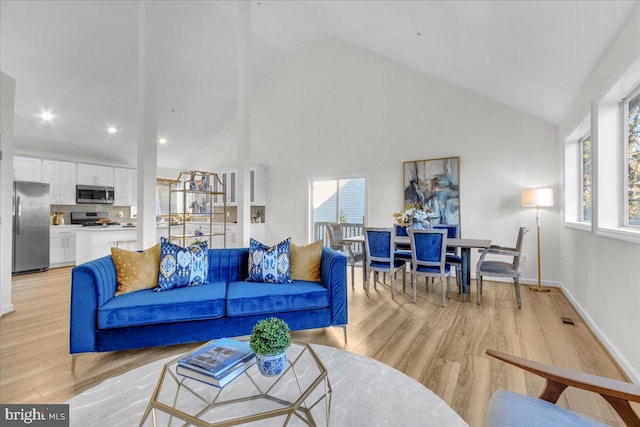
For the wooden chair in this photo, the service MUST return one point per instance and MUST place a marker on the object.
(513, 409)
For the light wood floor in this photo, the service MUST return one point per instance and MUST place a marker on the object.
(443, 348)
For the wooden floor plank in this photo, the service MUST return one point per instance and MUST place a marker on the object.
(441, 347)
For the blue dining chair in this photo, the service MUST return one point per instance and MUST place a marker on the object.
(453, 257)
(402, 251)
(380, 257)
(428, 258)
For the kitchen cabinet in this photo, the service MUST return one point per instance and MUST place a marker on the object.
(231, 238)
(27, 169)
(257, 186)
(61, 177)
(62, 247)
(125, 186)
(88, 174)
(229, 180)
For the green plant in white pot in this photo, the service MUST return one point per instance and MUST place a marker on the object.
(269, 341)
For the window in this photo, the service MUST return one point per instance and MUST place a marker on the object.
(631, 142)
(338, 200)
(578, 176)
(586, 193)
(162, 197)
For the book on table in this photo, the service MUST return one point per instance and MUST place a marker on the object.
(219, 358)
(219, 381)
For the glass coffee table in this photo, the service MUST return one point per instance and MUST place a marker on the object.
(301, 395)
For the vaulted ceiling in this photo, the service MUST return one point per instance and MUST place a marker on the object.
(79, 59)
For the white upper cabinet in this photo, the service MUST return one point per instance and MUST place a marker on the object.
(95, 175)
(258, 186)
(27, 169)
(61, 177)
(125, 186)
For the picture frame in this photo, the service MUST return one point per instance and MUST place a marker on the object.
(435, 184)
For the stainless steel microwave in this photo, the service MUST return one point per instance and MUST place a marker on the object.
(94, 194)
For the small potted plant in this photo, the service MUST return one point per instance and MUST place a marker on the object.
(269, 341)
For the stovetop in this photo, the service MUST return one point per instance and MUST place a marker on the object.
(99, 224)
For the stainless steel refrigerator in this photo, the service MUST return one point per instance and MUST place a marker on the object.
(31, 214)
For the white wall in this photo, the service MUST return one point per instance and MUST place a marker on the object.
(7, 96)
(591, 263)
(334, 109)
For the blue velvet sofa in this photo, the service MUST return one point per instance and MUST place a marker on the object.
(227, 306)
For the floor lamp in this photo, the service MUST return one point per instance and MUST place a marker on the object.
(538, 197)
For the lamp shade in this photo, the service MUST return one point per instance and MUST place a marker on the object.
(537, 197)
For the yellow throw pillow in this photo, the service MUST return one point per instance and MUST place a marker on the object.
(136, 270)
(305, 261)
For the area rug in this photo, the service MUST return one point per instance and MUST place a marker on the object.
(365, 392)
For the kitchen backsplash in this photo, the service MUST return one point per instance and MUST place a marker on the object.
(114, 211)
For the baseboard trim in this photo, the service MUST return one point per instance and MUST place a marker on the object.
(613, 351)
(6, 309)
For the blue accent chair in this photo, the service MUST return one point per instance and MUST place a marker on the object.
(378, 243)
(512, 409)
(428, 258)
(453, 255)
(402, 251)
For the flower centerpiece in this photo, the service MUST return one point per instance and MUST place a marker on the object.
(416, 216)
(269, 341)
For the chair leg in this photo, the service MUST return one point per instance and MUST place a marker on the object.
(404, 280)
(414, 285)
(444, 292)
(392, 275)
(353, 276)
(367, 273)
(516, 282)
(478, 287)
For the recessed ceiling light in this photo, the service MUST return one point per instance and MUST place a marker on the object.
(162, 140)
(112, 129)
(46, 115)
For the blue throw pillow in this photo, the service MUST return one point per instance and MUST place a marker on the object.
(269, 264)
(180, 267)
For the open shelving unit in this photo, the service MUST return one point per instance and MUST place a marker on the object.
(198, 199)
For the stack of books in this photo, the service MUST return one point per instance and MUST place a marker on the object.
(218, 363)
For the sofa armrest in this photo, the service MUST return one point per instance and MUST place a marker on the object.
(92, 285)
(333, 273)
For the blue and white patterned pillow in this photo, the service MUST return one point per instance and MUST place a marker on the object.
(180, 267)
(269, 264)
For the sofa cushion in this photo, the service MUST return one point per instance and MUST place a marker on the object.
(148, 307)
(136, 270)
(269, 264)
(248, 298)
(180, 267)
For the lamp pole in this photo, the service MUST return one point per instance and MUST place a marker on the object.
(538, 197)
(538, 220)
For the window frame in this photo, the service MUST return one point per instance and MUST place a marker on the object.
(581, 204)
(624, 158)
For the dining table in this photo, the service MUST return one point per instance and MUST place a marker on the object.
(465, 246)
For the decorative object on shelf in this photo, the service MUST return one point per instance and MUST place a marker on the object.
(415, 216)
(269, 340)
(434, 184)
(538, 197)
